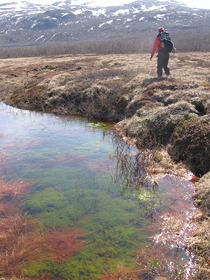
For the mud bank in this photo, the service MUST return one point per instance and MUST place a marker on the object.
(173, 113)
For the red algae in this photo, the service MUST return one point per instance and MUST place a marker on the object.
(23, 240)
(17, 244)
(58, 245)
(12, 189)
(120, 272)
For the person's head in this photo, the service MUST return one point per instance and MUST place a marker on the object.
(160, 30)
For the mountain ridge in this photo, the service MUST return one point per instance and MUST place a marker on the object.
(24, 23)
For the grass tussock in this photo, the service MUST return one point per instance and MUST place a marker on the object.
(190, 143)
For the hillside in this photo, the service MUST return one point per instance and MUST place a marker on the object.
(26, 24)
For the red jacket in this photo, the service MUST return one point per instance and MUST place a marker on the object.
(157, 45)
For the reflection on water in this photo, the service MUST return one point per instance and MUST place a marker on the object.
(79, 177)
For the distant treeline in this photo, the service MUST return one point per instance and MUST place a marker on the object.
(190, 43)
(96, 47)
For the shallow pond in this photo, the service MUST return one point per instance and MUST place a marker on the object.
(71, 173)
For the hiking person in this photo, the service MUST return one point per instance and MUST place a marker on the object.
(164, 45)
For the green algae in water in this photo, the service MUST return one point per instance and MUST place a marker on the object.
(107, 249)
(77, 183)
(112, 236)
(68, 162)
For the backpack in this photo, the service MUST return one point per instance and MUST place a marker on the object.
(166, 42)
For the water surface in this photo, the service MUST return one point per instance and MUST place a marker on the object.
(81, 176)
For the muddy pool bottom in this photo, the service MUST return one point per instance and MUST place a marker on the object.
(75, 204)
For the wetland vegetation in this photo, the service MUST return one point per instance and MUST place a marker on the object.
(167, 120)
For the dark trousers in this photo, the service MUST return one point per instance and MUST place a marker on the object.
(162, 63)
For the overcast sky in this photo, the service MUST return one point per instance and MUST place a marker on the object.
(205, 4)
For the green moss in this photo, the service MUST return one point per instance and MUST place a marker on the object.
(157, 156)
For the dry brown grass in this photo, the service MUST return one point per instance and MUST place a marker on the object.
(20, 74)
